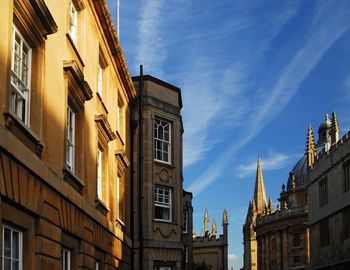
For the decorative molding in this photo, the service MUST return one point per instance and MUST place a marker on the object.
(104, 129)
(122, 160)
(35, 18)
(80, 90)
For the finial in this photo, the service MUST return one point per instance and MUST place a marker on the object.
(310, 147)
(214, 229)
(327, 117)
(225, 218)
(193, 234)
(334, 128)
(283, 188)
(271, 210)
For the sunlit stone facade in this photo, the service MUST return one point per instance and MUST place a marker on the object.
(64, 137)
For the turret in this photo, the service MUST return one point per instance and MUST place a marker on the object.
(225, 232)
(324, 134)
(214, 229)
(334, 128)
(271, 210)
(310, 148)
(206, 222)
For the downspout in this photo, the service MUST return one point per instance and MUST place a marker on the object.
(133, 126)
(140, 157)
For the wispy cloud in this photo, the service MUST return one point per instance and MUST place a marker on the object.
(232, 257)
(151, 50)
(276, 161)
(269, 103)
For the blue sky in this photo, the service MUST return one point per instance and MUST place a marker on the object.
(254, 75)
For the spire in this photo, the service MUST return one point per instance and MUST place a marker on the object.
(334, 128)
(259, 192)
(225, 218)
(214, 229)
(206, 221)
(310, 147)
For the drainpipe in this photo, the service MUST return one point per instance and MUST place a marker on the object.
(140, 157)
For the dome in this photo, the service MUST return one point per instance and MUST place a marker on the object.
(299, 173)
(326, 124)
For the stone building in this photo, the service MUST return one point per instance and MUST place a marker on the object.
(280, 239)
(158, 182)
(210, 247)
(329, 203)
(64, 137)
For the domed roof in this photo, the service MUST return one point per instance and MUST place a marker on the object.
(326, 124)
(299, 173)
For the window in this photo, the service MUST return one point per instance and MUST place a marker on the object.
(346, 176)
(12, 257)
(99, 81)
(346, 222)
(162, 203)
(73, 22)
(296, 259)
(162, 268)
(118, 197)
(70, 138)
(162, 140)
(99, 173)
(185, 223)
(97, 266)
(324, 233)
(296, 240)
(323, 192)
(65, 259)
(20, 76)
(120, 117)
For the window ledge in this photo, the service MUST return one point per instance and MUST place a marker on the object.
(74, 47)
(163, 221)
(119, 221)
(73, 180)
(101, 206)
(163, 163)
(119, 137)
(23, 133)
(102, 103)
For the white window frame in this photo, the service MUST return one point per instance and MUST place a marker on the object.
(66, 259)
(20, 248)
(160, 198)
(185, 222)
(73, 22)
(99, 173)
(70, 139)
(21, 66)
(162, 129)
(100, 80)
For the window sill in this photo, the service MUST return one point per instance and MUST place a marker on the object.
(23, 133)
(73, 180)
(119, 137)
(163, 163)
(101, 206)
(102, 103)
(75, 49)
(119, 221)
(163, 221)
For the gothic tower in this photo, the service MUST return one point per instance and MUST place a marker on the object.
(257, 207)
